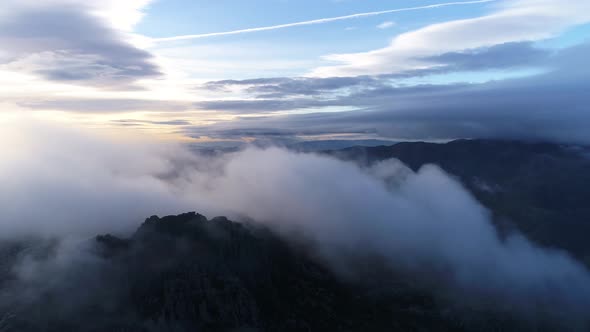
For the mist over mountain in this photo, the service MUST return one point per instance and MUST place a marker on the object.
(185, 272)
(538, 188)
(348, 240)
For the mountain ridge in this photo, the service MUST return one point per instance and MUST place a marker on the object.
(539, 189)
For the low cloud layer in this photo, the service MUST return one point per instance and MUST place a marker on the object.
(63, 183)
(60, 181)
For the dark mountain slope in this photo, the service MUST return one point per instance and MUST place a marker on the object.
(187, 273)
(542, 189)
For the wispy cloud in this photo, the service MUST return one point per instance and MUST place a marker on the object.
(511, 22)
(386, 25)
(317, 21)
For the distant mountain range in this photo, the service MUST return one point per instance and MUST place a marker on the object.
(323, 145)
(302, 146)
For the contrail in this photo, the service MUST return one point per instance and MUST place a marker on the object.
(312, 22)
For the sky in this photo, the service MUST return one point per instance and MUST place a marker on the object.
(229, 72)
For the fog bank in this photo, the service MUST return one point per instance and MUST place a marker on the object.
(61, 182)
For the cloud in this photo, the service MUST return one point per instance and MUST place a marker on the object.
(421, 222)
(70, 44)
(548, 106)
(63, 182)
(281, 87)
(503, 56)
(258, 106)
(513, 21)
(386, 25)
(104, 105)
(117, 14)
(314, 22)
(498, 57)
(136, 123)
(424, 219)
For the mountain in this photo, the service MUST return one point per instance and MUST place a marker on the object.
(300, 146)
(188, 273)
(541, 189)
(321, 145)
